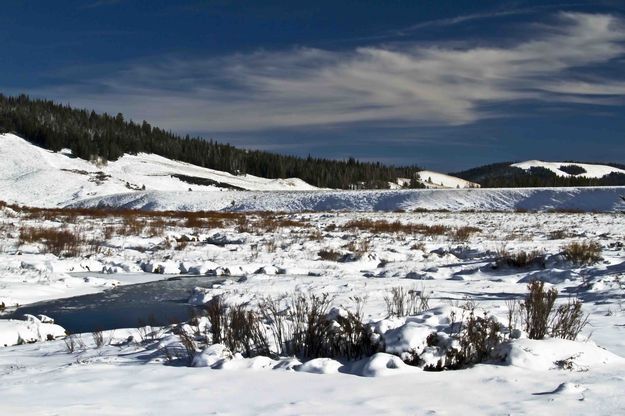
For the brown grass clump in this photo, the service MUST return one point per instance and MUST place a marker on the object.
(60, 242)
(584, 253)
(381, 226)
(520, 259)
(463, 233)
(329, 255)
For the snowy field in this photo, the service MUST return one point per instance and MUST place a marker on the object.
(447, 266)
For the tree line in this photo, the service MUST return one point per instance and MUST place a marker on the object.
(91, 135)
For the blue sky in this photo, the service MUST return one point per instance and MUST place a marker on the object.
(442, 84)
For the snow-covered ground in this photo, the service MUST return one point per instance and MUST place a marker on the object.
(590, 199)
(274, 254)
(591, 170)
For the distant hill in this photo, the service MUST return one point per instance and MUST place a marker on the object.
(436, 180)
(90, 135)
(536, 173)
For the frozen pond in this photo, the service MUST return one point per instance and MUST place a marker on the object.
(155, 303)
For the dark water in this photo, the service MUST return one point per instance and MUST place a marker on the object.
(155, 303)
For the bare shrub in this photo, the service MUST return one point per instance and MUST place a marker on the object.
(569, 320)
(60, 242)
(584, 253)
(463, 233)
(542, 319)
(301, 326)
(382, 226)
(558, 234)
(514, 314)
(216, 309)
(244, 332)
(537, 309)
(405, 302)
(520, 259)
(477, 340)
(329, 255)
(473, 339)
(311, 328)
(98, 338)
(73, 342)
(359, 247)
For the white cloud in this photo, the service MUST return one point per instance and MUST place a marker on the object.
(409, 84)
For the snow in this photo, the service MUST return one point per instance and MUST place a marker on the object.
(592, 170)
(131, 374)
(533, 199)
(438, 180)
(31, 329)
(57, 179)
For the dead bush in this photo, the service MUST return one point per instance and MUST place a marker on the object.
(584, 253)
(98, 338)
(566, 321)
(329, 255)
(58, 241)
(73, 342)
(406, 302)
(569, 320)
(359, 247)
(477, 340)
(463, 233)
(520, 259)
(471, 340)
(382, 226)
(302, 326)
(537, 309)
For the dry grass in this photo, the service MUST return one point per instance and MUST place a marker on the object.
(381, 226)
(463, 233)
(520, 259)
(58, 241)
(584, 253)
(329, 255)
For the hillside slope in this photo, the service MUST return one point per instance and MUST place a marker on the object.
(586, 170)
(536, 173)
(34, 176)
(436, 180)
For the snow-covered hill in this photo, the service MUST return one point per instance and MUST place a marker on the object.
(436, 180)
(591, 170)
(34, 176)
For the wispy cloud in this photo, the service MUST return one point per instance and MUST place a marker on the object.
(409, 84)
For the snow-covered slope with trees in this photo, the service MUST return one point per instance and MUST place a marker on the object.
(587, 170)
(437, 180)
(34, 176)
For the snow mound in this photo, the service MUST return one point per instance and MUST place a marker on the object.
(557, 353)
(382, 365)
(31, 329)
